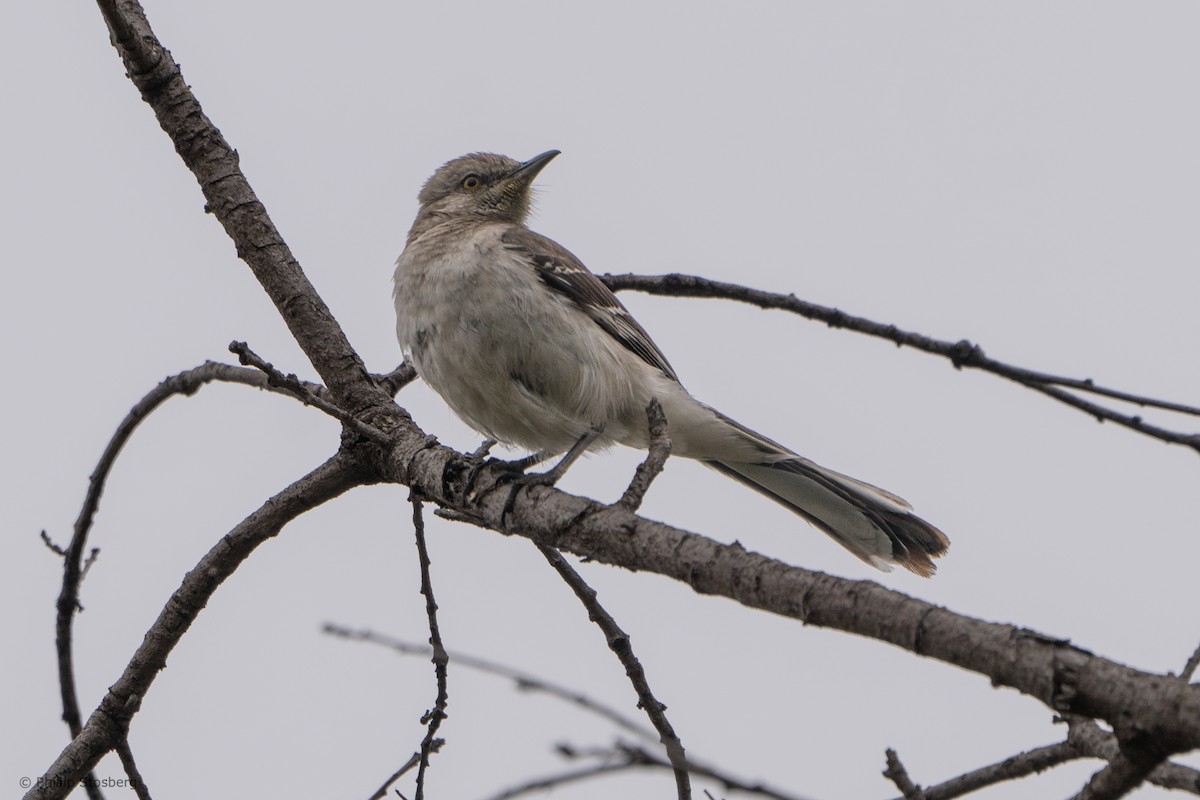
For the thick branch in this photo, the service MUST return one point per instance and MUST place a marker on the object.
(230, 198)
(1067, 679)
(109, 723)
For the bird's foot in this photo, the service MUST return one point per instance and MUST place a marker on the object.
(507, 470)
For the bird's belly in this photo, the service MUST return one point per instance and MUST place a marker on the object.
(532, 377)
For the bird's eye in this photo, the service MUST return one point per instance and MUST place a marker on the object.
(472, 181)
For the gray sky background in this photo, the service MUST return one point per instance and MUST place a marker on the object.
(1021, 174)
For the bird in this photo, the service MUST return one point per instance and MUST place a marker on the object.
(529, 348)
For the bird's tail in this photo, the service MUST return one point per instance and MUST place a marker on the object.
(874, 525)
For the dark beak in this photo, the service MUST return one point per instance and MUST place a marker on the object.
(530, 169)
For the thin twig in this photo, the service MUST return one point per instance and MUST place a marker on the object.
(381, 792)
(433, 718)
(125, 753)
(962, 354)
(659, 450)
(898, 775)
(397, 379)
(1012, 768)
(561, 779)
(524, 681)
(297, 388)
(54, 548)
(1189, 669)
(618, 642)
(642, 757)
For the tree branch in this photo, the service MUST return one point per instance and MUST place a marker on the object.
(656, 458)
(75, 566)
(1021, 765)
(962, 354)
(109, 723)
(525, 681)
(1067, 679)
(292, 385)
(1087, 738)
(233, 202)
(618, 642)
(1124, 773)
(432, 718)
(897, 774)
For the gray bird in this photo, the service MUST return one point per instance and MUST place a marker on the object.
(531, 349)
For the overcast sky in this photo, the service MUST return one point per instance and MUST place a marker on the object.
(1021, 174)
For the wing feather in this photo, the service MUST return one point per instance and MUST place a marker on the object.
(562, 272)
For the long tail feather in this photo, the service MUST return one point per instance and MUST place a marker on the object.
(874, 525)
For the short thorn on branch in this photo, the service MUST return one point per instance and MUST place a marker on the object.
(46, 540)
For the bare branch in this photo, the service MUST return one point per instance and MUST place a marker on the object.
(295, 387)
(1124, 773)
(1065, 678)
(125, 753)
(1084, 740)
(381, 792)
(75, 567)
(962, 354)
(561, 779)
(1189, 669)
(618, 642)
(656, 458)
(641, 757)
(50, 545)
(397, 379)
(1068, 679)
(1019, 766)
(524, 681)
(898, 775)
(432, 718)
(233, 202)
(1087, 738)
(109, 723)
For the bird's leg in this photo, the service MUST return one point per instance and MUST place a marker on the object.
(479, 460)
(517, 467)
(552, 475)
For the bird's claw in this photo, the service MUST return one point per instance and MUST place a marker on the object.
(508, 471)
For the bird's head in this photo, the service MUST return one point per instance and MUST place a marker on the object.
(481, 185)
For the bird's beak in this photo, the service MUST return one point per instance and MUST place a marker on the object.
(530, 169)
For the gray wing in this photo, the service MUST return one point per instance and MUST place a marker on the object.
(562, 272)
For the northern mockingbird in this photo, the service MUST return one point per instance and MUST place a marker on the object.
(529, 348)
